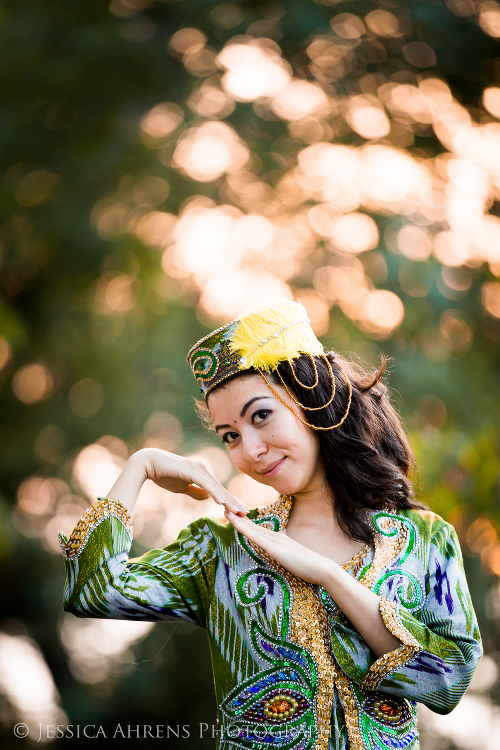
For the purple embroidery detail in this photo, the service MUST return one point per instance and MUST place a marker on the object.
(283, 652)
(270, 589)
(229, 587)
(442, 579)
(399, 741)
(267, 580)
(422, 662)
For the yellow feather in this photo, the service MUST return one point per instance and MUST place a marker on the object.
(262, 322)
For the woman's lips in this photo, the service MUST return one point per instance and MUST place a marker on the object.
(275, 469)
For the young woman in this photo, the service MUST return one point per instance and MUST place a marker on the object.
(331, 612)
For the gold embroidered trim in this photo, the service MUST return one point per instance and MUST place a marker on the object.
(389, 612)
(104, 507)
(394, 659)
(387, 548)
(350, 713)
(356, 563)
(309, 625)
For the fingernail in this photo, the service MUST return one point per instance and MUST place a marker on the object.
(244, 506)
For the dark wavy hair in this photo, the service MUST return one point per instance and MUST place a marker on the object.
(368, 461)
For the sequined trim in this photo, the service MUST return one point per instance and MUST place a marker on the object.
(394, 659)
(224, 362)
(309, 625)
(219, 380)
(356, 563)
(392, 712)
(389, 543)
(351, 713)
(103, 508)
(210, 335)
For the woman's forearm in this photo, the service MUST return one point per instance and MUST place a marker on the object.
(358, 603)
(362, 608)
(128, 485)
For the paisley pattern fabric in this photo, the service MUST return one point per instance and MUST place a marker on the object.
(290, 670)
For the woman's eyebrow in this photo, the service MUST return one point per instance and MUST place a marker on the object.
(243, 411)
(249, 403)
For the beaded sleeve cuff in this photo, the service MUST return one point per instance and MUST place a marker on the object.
(103, 508)
(391, 661)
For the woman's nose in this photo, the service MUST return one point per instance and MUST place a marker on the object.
(253, 447)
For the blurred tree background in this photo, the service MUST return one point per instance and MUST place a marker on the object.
(166, 163)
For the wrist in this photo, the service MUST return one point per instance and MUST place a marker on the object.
(329, 575)
(128, 485)
(140, 463)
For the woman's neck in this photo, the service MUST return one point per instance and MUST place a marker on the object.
(313, 523)
(314, 506)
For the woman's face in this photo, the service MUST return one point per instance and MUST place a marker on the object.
(265, 439)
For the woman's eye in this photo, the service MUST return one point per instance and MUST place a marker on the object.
(229, 437)
(260, 415)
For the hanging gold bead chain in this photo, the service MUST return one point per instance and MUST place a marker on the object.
(307, 424)
(310, 387)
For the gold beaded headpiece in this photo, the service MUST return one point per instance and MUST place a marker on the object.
(261, 338)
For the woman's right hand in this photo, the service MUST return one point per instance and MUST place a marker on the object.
(171, 472)
(179, 474)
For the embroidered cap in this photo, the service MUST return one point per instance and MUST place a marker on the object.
(260, 337)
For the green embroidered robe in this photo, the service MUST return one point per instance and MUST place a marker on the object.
(290, 670)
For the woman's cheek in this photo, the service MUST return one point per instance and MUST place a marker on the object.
(238, 461)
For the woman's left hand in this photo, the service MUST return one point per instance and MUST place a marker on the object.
(299, 560)
(359, 604)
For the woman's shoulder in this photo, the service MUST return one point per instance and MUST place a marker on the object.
(429, 525)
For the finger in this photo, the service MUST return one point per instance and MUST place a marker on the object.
(232, 504)
(219, 493)
(199, 486)
(197, 493)
(237, 506)
(250, 529)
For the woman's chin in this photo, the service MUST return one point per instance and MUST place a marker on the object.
(283, 482)
(283, 485)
